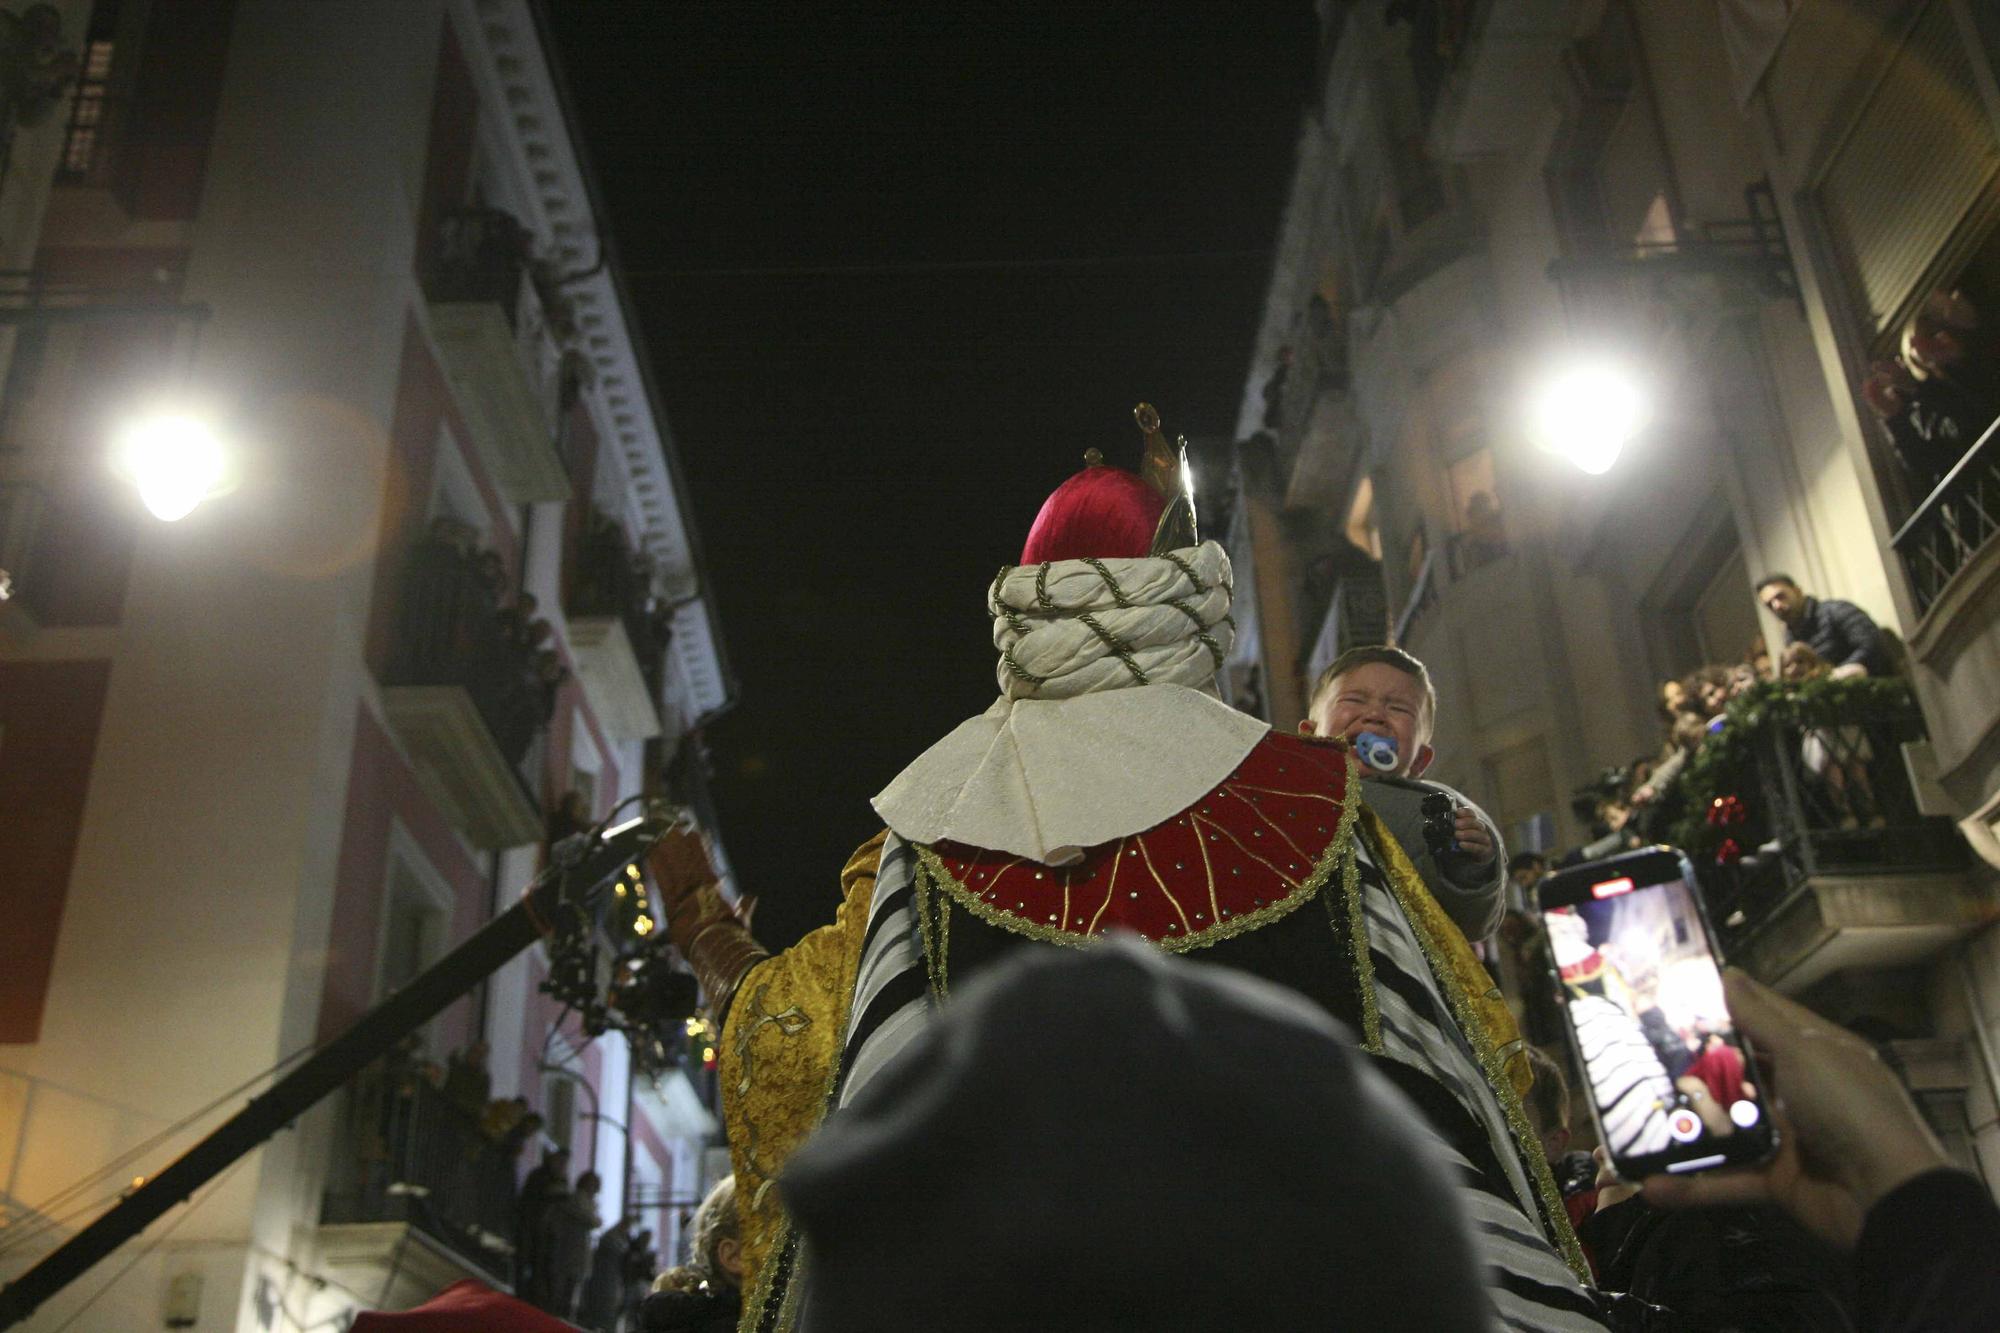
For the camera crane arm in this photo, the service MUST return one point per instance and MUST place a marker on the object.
(579, 870)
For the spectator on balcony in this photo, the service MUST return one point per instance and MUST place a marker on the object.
(510, 1124)
(1614, 815)
(1758, 658)
(1708, 687)
(1838, 757)
(1524, 871)
(1940, 395)
(1840, 632)
(468, 1084)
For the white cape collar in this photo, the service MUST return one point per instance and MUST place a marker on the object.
(1046, 778)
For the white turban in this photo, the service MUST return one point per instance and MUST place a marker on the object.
(1075, 626)
(1107, 722)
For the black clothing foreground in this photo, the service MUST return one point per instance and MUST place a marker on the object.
(1114, 1139)
(1841, 633)
(709, 1309)
(1929, 1257)
(1712, 1269)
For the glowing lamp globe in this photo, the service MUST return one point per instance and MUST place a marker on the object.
(1588, 414)
(176, 462)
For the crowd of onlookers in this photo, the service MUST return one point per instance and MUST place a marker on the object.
(1639, 802)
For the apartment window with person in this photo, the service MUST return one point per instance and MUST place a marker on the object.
(1909, 200)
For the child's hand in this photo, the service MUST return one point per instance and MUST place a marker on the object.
(1472, 840)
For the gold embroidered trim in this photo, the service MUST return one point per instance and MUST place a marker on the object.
(1399, 874)
(1337, 852)
(935, 945)
(1364, 965)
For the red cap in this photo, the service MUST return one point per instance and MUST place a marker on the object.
(1101, 513)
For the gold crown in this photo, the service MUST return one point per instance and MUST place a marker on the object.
(1165, 468)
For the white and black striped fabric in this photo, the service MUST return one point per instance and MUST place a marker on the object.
(1531, 1287)
(1630, 1086)
(891, 988)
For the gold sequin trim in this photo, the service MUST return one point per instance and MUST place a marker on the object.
(1357, 943)
(935, 942)
(1398, 871)
(1338, 852)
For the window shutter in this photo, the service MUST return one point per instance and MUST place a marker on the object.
(1919, 156)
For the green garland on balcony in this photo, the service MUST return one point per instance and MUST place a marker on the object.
(1726, 764)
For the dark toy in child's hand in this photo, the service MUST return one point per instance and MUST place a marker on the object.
(1440, 824)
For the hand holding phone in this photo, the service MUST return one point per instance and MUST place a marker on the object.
(1850, 1134)
(1672, 1083)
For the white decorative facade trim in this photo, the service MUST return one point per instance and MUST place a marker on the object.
(536, 161)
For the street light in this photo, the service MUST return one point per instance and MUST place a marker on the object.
(175, 461)
(1588, 412)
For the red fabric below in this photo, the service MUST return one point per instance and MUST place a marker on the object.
(1720, 1069)
(1102, 513)
(1250, 843)
(465, 1307)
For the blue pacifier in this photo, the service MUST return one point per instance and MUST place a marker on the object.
(1378, 752)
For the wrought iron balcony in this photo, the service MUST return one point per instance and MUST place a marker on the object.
(1820, 859)
(1954, 524)
(414, 1155)
(500, 338)
(468, 685)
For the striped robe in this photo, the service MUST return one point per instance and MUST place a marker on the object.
(1422, 1049)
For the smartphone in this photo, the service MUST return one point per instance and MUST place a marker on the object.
(1673, 1085)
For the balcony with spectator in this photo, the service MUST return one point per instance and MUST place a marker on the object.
(470, 680)
(618, 628)
(1812, 846)
(500, 324)
(425, 1170)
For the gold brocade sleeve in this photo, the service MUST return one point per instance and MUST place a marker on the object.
(781, 1052)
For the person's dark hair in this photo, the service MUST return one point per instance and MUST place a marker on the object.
(1776, 576)
(1548, 1099)
(1527, 860)
(589, 1181)
(1387, 656)
(1700, 676)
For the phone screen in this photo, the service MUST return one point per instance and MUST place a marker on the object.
(1671, 1081)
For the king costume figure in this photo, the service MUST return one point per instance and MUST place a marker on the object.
(1109, 788)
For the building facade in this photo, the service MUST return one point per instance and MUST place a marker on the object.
(1747, 203)
(260, 766)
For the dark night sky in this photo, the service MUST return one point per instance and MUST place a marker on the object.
(868, 431)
